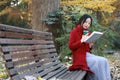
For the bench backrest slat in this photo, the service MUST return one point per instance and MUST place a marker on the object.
(28, 53)
(14, 35)
(15, 29)
(25, 47)
(15, 41)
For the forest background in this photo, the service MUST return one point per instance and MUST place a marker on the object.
(60, 16)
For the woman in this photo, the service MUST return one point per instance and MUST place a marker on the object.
(97, 66)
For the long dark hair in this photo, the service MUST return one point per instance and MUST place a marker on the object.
(83, 19)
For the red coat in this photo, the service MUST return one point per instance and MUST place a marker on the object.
(78, 50)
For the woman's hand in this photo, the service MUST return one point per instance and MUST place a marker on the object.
(83, 38)
(91, 44)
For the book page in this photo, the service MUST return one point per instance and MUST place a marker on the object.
(94, 36)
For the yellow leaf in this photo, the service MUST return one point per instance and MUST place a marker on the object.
(3, 75)
(39, 78)
(97, 5)
(21, 17)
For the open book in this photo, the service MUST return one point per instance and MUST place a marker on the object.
(94, 36)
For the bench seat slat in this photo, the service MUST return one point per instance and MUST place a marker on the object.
(81, 76)
(71, 75)
(55, 72)
(47, 71)
(36, 70)
(16, 77)
(78, 76)
(64, 74)
(67, 75)
(60, 73)
(75, 74)
(30, 66)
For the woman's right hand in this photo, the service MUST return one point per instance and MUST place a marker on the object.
(83, 38)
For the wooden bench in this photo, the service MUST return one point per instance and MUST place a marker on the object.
(31, 52)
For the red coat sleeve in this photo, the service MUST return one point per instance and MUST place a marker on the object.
(74, 41)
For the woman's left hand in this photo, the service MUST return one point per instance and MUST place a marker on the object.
(91, 44)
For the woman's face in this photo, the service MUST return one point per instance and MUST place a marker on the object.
(87, 23)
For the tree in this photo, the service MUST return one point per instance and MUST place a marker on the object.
(40, 10)
(115, 24)
(15, 12)
(100, 7)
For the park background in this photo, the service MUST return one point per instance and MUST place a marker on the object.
(60, 16)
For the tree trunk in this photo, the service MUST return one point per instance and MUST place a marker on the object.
(40, 10)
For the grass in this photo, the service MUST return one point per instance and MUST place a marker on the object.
(3, 71)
